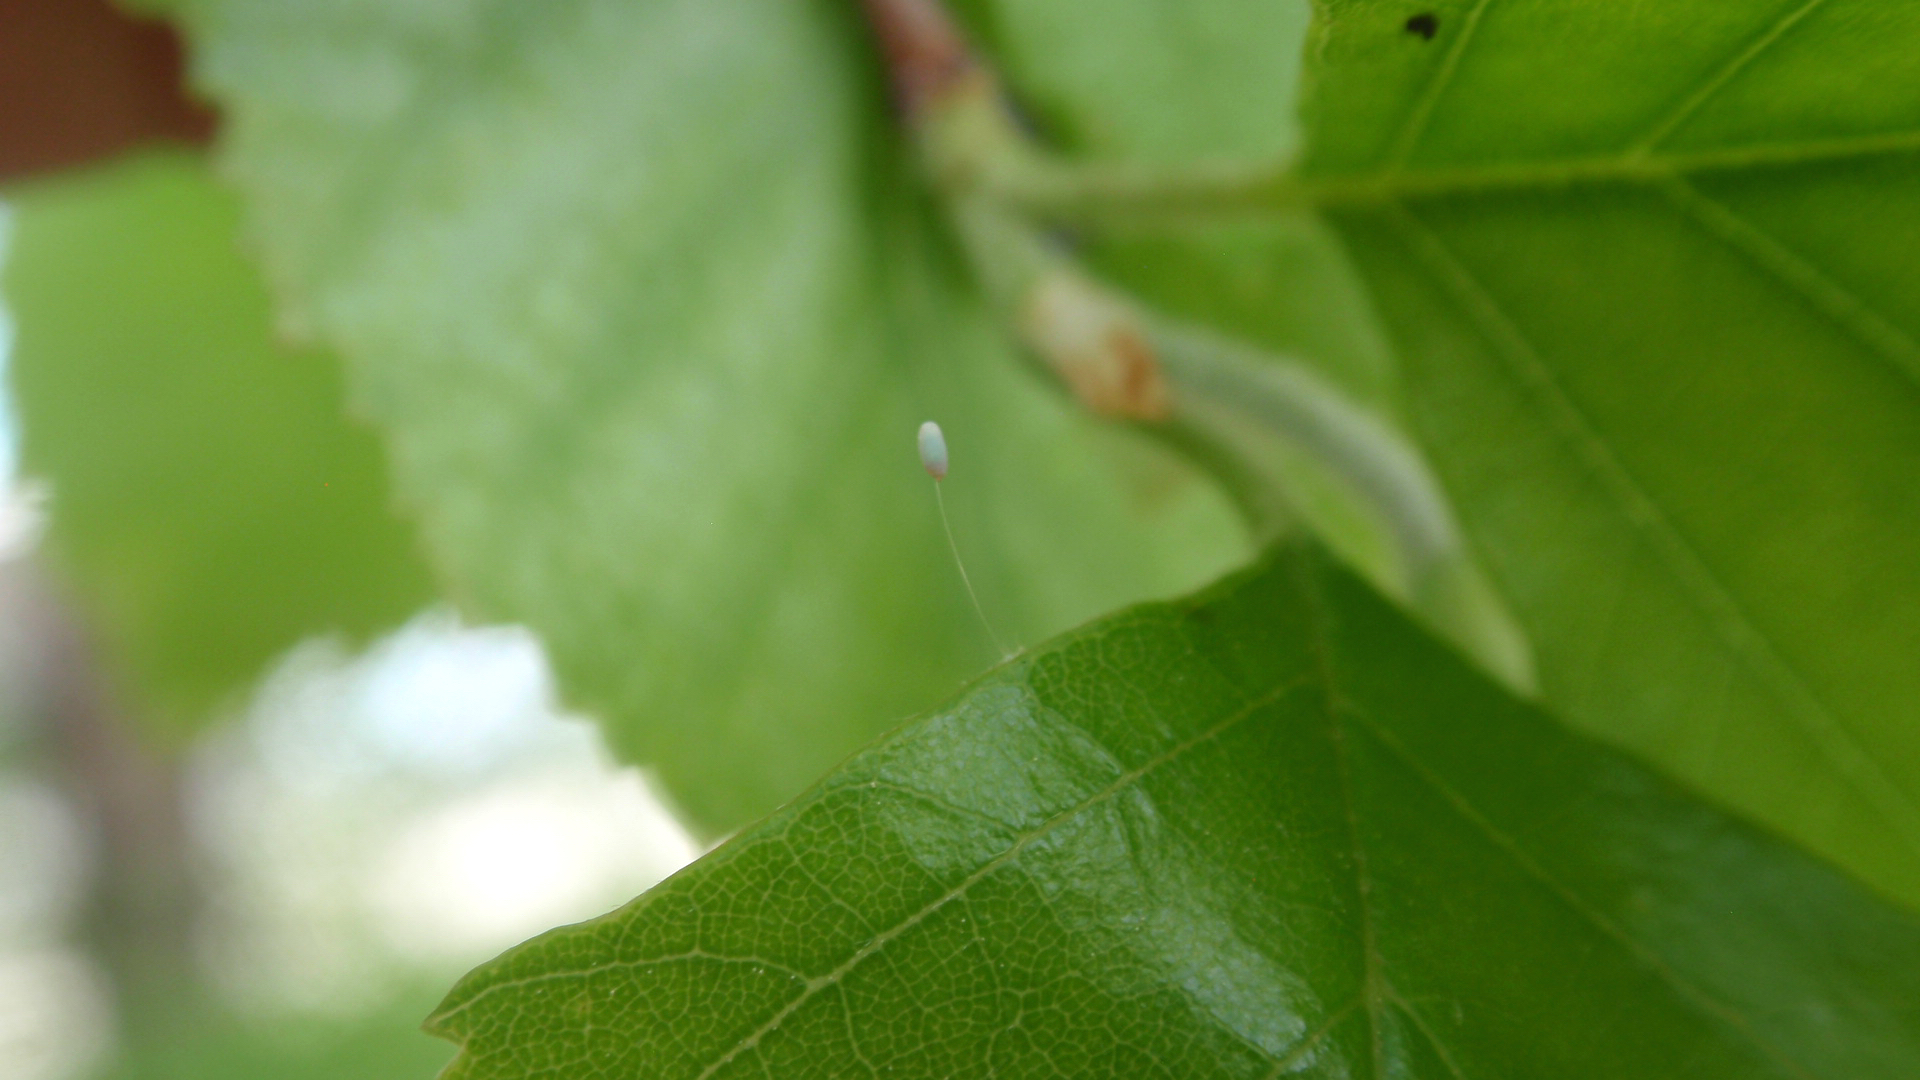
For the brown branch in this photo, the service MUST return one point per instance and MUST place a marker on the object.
(81, 80)
(139, 918)
(926, 55)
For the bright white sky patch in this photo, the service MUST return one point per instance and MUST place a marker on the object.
(417, 808)
(521, 857)
(53, 1017)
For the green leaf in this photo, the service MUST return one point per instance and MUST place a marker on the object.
(1136, 86)
(1650, 272)
(374, 1042)
(1153, 80)
(645, 303)
(1275, 830)
(1175, 84)
(210, 504)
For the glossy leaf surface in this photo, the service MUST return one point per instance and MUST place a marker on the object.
(1272, 831)
(646, 303)
(1650, 273)
(211, 502)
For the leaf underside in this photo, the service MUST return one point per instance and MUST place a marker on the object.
(1275, 830)
(645, 299)
(1650, 272)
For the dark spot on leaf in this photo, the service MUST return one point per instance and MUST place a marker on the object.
(1426, 24)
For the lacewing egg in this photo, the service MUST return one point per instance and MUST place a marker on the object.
(933, 455)
(933, 450)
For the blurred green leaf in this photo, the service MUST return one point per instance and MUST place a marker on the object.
(1201, 81)
(1651, 276)
(1275, 830)
(1151, 79)
(211, 505)
(645, 302)
(379, 1043)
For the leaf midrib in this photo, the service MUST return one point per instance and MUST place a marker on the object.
(1342, 709)
(1333, 190)
(1379, 992)
(1648, 957)
(1374, 989)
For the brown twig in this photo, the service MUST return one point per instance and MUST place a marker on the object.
(926, 55)
(144, 901)
(82, 80)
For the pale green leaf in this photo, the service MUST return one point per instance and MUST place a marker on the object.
(1153, 79)
(1271, 831)
(645, 303)
(211, 504)
(1650, 271)
(1186, 82)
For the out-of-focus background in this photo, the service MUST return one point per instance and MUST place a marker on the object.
(227, 847)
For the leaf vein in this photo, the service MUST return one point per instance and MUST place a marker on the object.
(1648, 957)
(1372, 985)
(1387, 186)
(438, 1020)
(885, 937)
(1729, 620)
(1825, 294)
(1313, 1039)
(1691, 103)
(1420, 1024)
(1421, 115)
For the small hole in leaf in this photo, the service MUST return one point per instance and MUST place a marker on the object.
(1426, 24)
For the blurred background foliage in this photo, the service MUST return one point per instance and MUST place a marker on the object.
(215, 505)
(260, 800)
